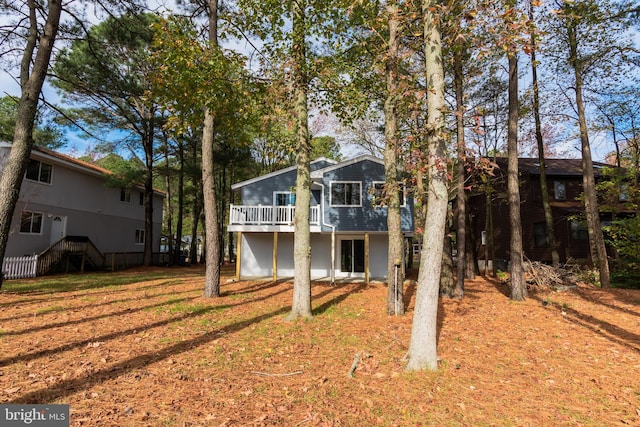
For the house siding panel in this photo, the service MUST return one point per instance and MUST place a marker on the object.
(566, 170)
(91, 209)
(261, 192)
(346, 222)
(257, 255)
(378, 255)
(365, 217)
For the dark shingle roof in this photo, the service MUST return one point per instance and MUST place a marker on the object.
(557, 167)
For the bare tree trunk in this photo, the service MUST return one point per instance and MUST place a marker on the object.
(168, 206)
(395, 300)
(461, 197)
(548, 215)
(197, 203)
(31, 81)
(148, 140)
(178, 251)
(232, 255)
(301, 305)
(212, 263)
(195, 218)
(222, 203)
(422, 352)
(212, 268)
(489, 252)
(447, 285)
(616, 143)
(596, 239)
(489, 247)
(471, 265)
(518, 285)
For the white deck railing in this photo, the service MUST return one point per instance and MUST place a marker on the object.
(20, 267)
(269, 215)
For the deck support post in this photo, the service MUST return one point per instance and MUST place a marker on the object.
(366, 258)
(275, 256)
(238, 255)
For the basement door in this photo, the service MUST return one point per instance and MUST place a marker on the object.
(58, 228)
(352, 256)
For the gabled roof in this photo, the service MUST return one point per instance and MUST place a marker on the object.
(72, 163)
(45, 153)
(276, 173)
(318, 173)
(553, 167)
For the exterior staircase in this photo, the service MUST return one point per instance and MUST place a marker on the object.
(76, 251)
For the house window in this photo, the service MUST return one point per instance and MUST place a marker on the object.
(141, 198)
(125, 195)
(346, 193)
(560, 190)
(31, 222)
(624, 192)
(284, 198)
(378, 200)
(540, 235)
(38, 171)
(579, 231)
(139, 237)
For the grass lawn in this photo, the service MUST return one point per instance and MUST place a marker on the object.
(144, 348)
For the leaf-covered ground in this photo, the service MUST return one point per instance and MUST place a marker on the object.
(149, 350)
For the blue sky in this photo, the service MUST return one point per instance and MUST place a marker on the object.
(77, 146)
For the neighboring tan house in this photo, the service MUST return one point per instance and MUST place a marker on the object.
(348, 223)
(564, 182)
(65, 201)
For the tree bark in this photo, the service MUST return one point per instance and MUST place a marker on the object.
(31, 81)
(447, 285)
(422, 352)
(168, 205)
(178, 251)
(148, 139)
(212, 263)
(471, 265)
(461, 197)
(489, 250)
(301, 305)
(596, 239)
(518, 285)
(197, 203)
(395, 291)
(548, 215)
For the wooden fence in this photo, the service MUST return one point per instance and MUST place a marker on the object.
(20, 267)
(27, 266)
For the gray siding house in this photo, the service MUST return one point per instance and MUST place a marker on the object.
(348, 223)
(62, 196)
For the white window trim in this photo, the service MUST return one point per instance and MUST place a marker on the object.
(564, 189)
(39, 172)
(275, 195)
(343, 182)
(136, 236)
(41, 223)
(625, 192)
(403, 204)
(127, 191)
(339, 270)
